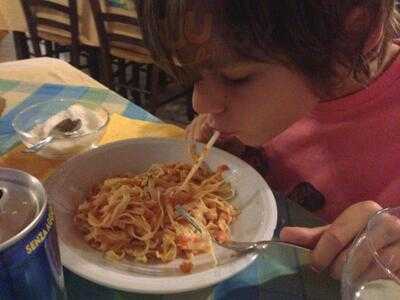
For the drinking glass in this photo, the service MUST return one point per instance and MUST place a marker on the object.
(372, 268)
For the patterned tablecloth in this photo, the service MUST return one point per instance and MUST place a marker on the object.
(277, 274)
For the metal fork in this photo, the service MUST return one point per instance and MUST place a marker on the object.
(241, 247)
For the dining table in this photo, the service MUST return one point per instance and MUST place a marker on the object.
(277, 273)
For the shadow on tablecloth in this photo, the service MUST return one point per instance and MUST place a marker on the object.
(286, 287)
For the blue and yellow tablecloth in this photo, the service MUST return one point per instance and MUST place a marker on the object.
(20, 95)
(277, 274)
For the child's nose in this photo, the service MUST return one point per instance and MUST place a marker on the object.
(208, 98)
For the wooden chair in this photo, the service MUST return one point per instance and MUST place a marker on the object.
(55, 44)
(129, 51)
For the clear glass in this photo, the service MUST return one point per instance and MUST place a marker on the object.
(34, 123)
(372, 269)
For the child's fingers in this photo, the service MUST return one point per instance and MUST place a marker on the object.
(389, 258)
(307, 237)
(341, 233)
(383, 238)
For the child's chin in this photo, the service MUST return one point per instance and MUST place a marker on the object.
(249, 141)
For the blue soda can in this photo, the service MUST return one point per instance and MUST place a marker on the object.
(30, 265)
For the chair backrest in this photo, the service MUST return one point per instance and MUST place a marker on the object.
(108, 38)
(34, 20)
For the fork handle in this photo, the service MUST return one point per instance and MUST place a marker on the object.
(262, 245)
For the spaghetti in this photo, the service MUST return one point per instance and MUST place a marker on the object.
(135, 217)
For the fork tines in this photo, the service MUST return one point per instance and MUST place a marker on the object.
(184, 214)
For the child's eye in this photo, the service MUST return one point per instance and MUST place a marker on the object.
(235, 80)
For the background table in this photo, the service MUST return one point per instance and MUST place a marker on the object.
(277, 274)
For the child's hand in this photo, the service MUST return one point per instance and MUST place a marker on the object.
(331, 243)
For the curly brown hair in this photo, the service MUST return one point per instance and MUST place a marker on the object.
(312, 36)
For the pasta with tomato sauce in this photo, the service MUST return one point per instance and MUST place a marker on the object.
(134, 216)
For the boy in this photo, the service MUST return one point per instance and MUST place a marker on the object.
(313, 82)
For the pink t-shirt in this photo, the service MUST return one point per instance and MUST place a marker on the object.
(348, 149)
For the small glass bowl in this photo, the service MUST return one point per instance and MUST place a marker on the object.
(34, 123)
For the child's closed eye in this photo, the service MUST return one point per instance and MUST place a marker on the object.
(235, 80)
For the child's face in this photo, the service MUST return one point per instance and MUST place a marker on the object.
(253, 101)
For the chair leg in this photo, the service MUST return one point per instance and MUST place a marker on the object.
(75, 55)
(93, 64)
(36, 47)
(74, 59)
(135, 84)
(57, 50)
(106, 75)
(49, 48)
(153, 86)
(21, 45)
(122, 78)
(163, 79)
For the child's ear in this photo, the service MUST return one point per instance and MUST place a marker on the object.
(358, 21)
